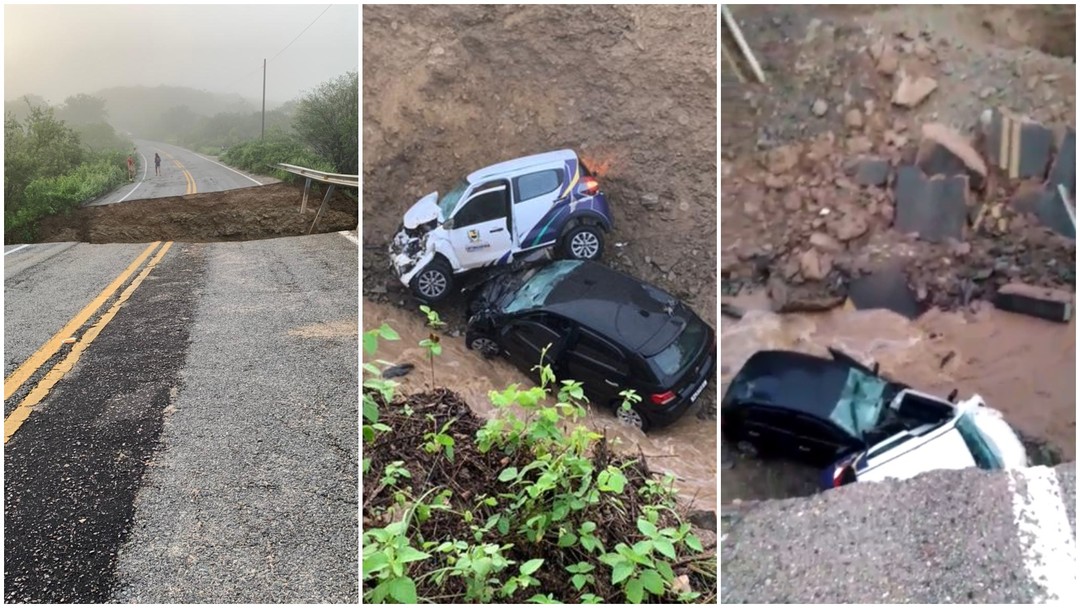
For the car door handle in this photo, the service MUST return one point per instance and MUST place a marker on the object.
(610, 383)
(496, 230)
(753, 433)
(803, 448)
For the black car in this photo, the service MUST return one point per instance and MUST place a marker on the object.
(603, 328)
(784, 403)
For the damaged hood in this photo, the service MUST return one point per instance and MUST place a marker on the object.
(425, 210)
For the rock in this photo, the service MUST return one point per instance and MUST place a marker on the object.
(943, 151)
(775, 182)
(872, 172)
(877, 48)
(850, 226)
(922, 50)
(1042, 302)
(820, 107)
(792, 200)
(813, 265)
(912, 90)
(825, 242)
(783, 159)
(889, 61)
(987, 92)
(650, 200)
(853, 119)
(706, 520)
(859, 144)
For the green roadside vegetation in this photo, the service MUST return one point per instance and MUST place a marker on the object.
(52, 166)
(527, 506)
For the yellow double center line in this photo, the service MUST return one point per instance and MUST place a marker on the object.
(191, 189)
(29, 367)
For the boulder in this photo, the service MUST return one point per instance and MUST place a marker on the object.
(934, 208)
(1041, 302)
(943, 151)
(872, 172)
(912, 90)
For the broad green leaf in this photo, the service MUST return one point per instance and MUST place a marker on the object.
(510, 587)
(635, 591)
(371, 342)
(543, 599)
(567, 539)
(587, 527)
(403, 590)
(578, 581)
(665, 571)
(665, 547)
(621, 571)
(652, 581)
(387, 333)
(409, 554)
(693, 542)
(508, 474)
(374, 563)
(647, 528)
(531, 566)
(643, 547)
(581, 568)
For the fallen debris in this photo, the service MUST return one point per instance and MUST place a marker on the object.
(1041, 302)
(943, 151)
(395, 371)
(1017, 145)
(888, 289)
(912, 90)
(731, 310)
(872, 172)
(934, 208)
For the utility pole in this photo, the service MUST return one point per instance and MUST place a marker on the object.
(262, 135)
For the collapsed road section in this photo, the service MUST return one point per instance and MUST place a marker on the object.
(241, 214)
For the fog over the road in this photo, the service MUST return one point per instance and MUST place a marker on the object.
(57, 51)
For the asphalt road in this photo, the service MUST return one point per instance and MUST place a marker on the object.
(182, 172)
(944, 537)
(203, 448)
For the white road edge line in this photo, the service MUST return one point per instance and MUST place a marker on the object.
(140, 181)
(257, 182)
(344, 233)
(16, 249)
(1046, 539)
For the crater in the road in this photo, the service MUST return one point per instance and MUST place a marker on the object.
(243, 214)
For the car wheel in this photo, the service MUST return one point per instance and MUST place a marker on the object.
(631, 417)
(484, 345)
(434, 281)
(585, 242)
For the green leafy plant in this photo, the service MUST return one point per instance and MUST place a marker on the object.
(431, 343)
(630, 398)
(440, 439)
(375, 384)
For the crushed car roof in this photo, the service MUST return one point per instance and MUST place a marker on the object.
(791, 380)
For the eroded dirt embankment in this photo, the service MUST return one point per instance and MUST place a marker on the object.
(243, 214)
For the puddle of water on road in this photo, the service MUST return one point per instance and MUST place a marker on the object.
(687, 448)
(1020, 365)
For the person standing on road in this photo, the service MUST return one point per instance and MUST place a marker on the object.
(157, 164)
(131, 168)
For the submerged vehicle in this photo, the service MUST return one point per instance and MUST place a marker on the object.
(510, 211)
(603, 328)
(864, 427)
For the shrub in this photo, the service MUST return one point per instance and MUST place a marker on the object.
(262, 156)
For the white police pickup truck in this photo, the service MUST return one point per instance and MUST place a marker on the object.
(510, 210)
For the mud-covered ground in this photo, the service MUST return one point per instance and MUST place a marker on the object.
(450, 89)
(259, 212)
(787, 148)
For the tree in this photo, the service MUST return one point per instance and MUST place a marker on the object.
(40, 146)
(83, 109)
(327, 121)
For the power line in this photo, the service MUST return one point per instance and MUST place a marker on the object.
(302, 33)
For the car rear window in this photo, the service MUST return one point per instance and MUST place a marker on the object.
(681, 351)
(984, 455)
(860, 404)
(536, 289)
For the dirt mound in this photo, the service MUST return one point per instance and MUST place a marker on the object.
(243, 214)
(450, 89)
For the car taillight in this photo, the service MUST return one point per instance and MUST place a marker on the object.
(590, 185)
(662, 398)
(838, 476)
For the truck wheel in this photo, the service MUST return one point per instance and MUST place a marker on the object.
(434, 281)
(584, 242)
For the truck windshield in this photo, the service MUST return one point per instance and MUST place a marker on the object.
(448, 200)
(860, 404)
(535, 290)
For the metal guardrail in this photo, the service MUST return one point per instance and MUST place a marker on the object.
(334, 179)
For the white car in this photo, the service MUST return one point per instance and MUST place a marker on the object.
(974, 435)
(512, 210)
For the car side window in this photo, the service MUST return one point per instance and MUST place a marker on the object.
(595, 351)
(537, 184)
(489, 204)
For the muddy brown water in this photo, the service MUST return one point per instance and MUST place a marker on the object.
(1022, 366)
(687, 448)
